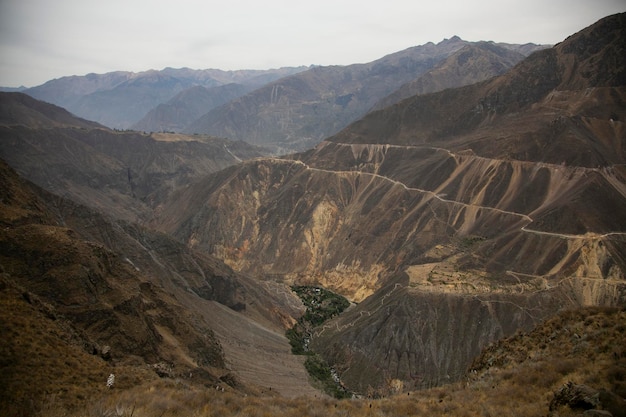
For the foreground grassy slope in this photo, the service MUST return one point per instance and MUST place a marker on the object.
(518, 376)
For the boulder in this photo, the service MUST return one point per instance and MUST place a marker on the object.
(576, 397)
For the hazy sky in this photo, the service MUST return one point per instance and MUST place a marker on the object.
(45, 39)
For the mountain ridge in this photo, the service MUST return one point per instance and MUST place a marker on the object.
(472, 63)
(290, 109)
(120, 98)
(126, 173)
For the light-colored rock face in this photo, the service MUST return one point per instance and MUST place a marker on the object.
(473, 218)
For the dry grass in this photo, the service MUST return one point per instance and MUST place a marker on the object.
(45, 374)
(43, 367)
(166, 400)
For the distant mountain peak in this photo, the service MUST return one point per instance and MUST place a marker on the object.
(452, 40)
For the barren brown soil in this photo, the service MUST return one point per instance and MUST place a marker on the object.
(260, 356)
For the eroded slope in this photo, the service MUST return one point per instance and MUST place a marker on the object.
(506, 196)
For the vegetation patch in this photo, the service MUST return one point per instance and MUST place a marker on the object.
(321, 305)
(325, 377)
(468, 242)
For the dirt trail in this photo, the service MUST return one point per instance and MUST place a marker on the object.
(406, 187)
(525, 217)
(369, 313)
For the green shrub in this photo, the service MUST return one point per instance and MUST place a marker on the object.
(319, 370)
(321, 305)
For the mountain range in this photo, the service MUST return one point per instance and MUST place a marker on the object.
(270, 108)
(297, 112)
(187, 106)
(457, 194)
(120, 99)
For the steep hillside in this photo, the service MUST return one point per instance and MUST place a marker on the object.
(123, 173)
(568, 365)
(87, 296)
(120, 99)
(297, 112)
(187, 106)
(45, 361)
(508, 196)
(20, 109)
(473, 63)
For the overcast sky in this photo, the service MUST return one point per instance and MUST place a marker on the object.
(45, 39)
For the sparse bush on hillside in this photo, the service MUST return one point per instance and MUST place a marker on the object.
(468, 241)
(297, 339)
